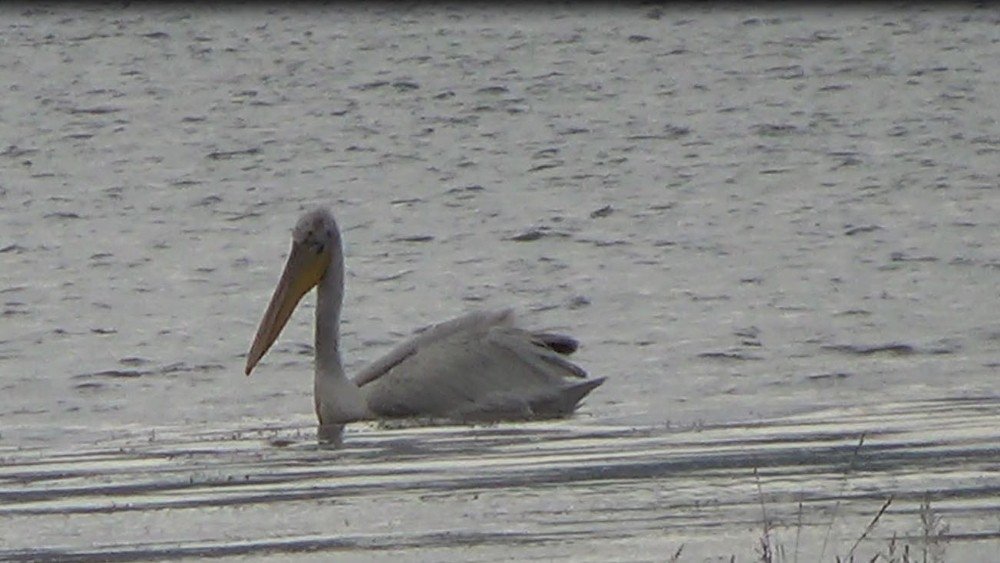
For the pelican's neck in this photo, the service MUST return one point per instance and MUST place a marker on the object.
(338, 399)
(329, 299)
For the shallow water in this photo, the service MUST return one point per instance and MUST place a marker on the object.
(774, 231)
(552, 490)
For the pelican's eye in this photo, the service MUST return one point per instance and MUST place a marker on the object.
(316, 246)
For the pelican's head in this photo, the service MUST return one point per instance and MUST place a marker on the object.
(315, 241)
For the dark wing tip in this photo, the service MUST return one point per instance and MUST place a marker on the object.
(559, 343)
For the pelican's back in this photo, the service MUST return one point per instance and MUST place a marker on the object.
(477, 367)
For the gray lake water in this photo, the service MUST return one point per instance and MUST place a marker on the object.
(776, 232)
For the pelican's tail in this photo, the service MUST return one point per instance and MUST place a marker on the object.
(566, 400)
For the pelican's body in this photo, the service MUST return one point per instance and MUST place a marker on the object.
(475, 367)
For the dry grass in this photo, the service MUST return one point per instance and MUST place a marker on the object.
(926, 548)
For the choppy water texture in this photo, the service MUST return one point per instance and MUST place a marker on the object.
(775, 231)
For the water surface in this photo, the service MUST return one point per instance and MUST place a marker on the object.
(774, 231)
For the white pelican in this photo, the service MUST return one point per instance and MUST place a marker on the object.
(478, 367)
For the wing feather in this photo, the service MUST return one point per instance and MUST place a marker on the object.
(476, 322)
(478, 366)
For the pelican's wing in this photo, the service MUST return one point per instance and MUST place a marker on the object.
(477, 367)
(478, 322)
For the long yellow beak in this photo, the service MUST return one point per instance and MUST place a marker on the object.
(303, 270)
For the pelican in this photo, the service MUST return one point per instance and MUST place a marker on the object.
(477, 367)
